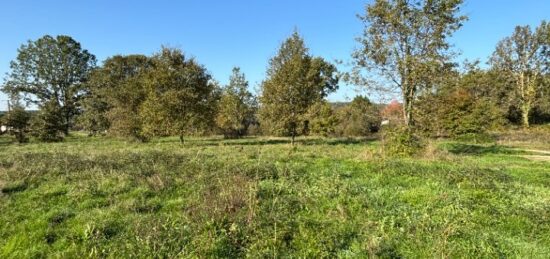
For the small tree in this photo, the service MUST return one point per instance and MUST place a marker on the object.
(236, 108)
(17, 121)
(295, 81)
(48, 124)
(525, 56)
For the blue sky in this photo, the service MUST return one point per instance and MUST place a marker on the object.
(222, 34)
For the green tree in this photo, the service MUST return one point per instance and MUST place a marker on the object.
(295, 81)
(51, 69)
(17, 120)
(180, 99)
(359, 118)
(404, 44)
(48, 125)
(237, 106)
(457, 111)
(115, 94)
(321, 119)
(94, 115)
(524, 56)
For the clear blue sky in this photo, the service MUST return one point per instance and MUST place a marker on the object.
(246, 33)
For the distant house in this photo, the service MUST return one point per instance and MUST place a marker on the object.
(392, 113)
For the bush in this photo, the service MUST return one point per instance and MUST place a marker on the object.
(48, 124)
(457, 113)
(17, 120)
(401, 142)
(321, 120)
(360, 118)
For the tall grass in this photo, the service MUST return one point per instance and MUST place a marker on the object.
(260, 197)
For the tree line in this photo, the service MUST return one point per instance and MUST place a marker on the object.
(404, 50)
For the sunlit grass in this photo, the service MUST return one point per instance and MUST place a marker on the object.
(262, 197)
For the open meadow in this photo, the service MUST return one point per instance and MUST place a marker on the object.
(261, 197)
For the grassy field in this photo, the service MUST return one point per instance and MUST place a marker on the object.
(261, 197)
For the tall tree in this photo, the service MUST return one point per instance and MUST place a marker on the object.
(237, 106)
(524, 55)
(295, 81)
(180, 99)
(114, 95)
(404, 43)
(51, 69)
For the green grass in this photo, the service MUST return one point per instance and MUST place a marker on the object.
(260, 197)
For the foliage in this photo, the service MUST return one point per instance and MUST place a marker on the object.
(94, 116)
(48, 125)
(523, 55)
(405, 43)
(457, 112)
(295, 81)
(116, 92)
(180, 97)
(51, 69)
(237, 107)
(17, 120)
(399, 141)
(360, 118)
(321, 120)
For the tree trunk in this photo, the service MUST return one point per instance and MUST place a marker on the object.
(525, 109)
(407, 110)
(292, 137)
(67, 126)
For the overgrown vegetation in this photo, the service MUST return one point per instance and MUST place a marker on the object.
(443, 172)
(260, 197)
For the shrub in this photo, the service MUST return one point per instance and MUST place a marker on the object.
(321, 120)
(360, 118)
(48, 124)
(457, 113)
(401, 142)
(17, 120)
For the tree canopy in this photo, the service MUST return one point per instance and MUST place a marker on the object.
(237, 106)
(524, 55)
(295, 81)
(51, 69)
(405, 43)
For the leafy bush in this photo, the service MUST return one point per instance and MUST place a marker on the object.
(17, 120)
(48, 124)
(457, 113)
(360, 118)
(321, 119)
(401, 142)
